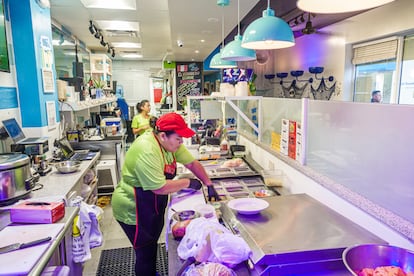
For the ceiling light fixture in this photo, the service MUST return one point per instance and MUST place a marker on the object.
(127, 44)
(108, 4)
(98, 34)
(102, 42)
(338, 6)
(92, 28)
(268, 32)
(217, 62)
(234, 51)
(131, 55)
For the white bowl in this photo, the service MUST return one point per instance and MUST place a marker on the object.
(247, 205)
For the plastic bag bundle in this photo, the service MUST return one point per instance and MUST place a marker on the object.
(207, 240)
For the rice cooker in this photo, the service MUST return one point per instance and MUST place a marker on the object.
(16, 180)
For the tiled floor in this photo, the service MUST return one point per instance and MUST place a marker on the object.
(113, 237)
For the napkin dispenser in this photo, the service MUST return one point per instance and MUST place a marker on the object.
(37, 212)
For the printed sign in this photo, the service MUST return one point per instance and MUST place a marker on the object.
(188, 81)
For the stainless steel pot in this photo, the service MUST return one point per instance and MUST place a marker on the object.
(16, 180)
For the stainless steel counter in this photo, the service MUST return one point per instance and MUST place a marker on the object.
(60, 243)
(296, 229)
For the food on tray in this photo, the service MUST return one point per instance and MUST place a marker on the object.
(384, 271)
(234, 189)
(231, 183)
(239, 195)
(209, 269)
(263, 193)
(241, 169)
(232, 163)
(273, 182)
(223, 170)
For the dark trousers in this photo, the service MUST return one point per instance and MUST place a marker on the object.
(145, 257)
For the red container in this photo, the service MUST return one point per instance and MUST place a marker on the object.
(37, 212)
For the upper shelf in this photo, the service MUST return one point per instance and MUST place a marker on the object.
(77, 106)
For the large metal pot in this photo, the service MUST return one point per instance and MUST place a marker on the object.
(16, 180)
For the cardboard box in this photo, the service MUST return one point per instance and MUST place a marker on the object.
(37, 212)
(292, 140)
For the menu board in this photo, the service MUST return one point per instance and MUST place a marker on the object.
(188, 81)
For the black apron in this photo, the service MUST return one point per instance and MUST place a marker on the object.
(150, 209)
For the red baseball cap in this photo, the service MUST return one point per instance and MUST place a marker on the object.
(173, 121)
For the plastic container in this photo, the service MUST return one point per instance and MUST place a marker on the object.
(206, 210)
(273, 178)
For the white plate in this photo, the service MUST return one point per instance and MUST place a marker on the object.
(248, 206)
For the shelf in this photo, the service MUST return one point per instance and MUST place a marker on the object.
(93, 192)
(101, 68)
(78, 106)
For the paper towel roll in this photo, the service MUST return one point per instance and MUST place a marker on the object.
(242, 89)
(227, 89)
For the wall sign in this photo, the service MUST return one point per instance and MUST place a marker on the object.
(188, 81)
(51, 114)
(48, 81)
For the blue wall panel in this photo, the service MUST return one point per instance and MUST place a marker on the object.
(8, 96)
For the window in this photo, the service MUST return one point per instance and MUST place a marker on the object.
(407, 73)
(375, 69)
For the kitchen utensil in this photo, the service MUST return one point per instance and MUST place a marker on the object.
(16, 178)
(68, 166)
(363, 256)
(16, 246)
(248, 206)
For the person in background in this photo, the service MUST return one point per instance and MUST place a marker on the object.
(376, 96)
(205, 92)
(166, 101)
(140, 123)
(140, 198)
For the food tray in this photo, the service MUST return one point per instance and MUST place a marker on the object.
(231, 188)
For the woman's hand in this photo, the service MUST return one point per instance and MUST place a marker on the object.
(195, 184)
(212, 193)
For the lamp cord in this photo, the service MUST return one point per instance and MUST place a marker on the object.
(222, 27)
(238, 16)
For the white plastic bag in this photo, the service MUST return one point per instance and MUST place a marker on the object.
(207, 240)
(229, 249)
(196, 241)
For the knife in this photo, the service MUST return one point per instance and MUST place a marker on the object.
(16, 246)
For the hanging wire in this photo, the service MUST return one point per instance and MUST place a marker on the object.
(222, 27)
(238, 17)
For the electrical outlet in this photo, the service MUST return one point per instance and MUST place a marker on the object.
(271, 165)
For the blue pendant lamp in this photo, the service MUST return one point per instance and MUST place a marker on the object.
(338, 6)
(216, 62)
(234, 51)
(268, 32)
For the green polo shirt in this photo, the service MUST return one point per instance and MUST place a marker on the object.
(143, 167)
(140, 121)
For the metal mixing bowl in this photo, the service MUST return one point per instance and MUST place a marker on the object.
(67, 166)
(363, 256)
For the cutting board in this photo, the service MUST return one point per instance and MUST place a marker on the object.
(21, 261)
